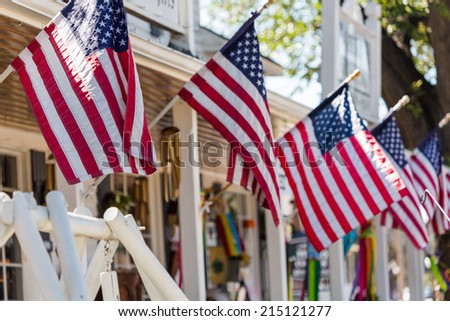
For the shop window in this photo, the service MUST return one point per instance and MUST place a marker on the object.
(10, 263)
(129, 193)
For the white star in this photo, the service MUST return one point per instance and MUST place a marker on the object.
(259, 82)
(101, 7)
(97, 30)
(238, 59)
(252, 66)
(240, 44)
(108, 34)
(103, 40)
(110, 10)
(122, 42)
(118, 11)
(239, 51)
(247, 35)
(245, 66)
(252, 74)
(107, 16)
(247, 43)
(246, 50)
(102, 24)
(245, 58)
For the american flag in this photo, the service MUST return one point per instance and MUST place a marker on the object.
(82, 84)
(339, 174)
(229, 92)
(429, 173)
(405, 213)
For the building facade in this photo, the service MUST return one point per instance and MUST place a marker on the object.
(169, 47)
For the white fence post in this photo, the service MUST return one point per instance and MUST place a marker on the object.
(192, 259)
(276, 257)
(381, 264)
(33, 248)
(416, 272)
(67, 251)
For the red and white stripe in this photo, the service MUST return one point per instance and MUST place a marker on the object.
(334, 198)
(425, 177)
(439, 223)
(90, 110)
(232, 104)
(407, 213)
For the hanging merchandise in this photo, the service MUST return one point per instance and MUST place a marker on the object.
(348, 240)
(170, 162)
(438, 273)
(313, 273)
(229, 235)
(364, 282)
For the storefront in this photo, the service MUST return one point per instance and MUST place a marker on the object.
(185, 240)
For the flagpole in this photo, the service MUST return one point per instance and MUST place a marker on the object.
(222, 190)
(444, 121)
(176, 99)
(166, 109)
(424, 198)
(355, 74)
(400, 104)
(6, 73)
(266, 5)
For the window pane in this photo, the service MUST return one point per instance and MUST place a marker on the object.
(2, 286)
(14, 282)
(8, 171)
(12, 251)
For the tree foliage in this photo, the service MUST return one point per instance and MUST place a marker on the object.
(290, 33)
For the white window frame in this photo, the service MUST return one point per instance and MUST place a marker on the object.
(20, 174)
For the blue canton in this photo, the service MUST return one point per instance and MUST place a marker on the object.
(388, 135)
(431, 148)
(245, 55)
(98, 24)
(335, 121)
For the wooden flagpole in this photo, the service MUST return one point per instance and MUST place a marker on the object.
(400, 104)
(444, 121)
(177, 98)
(166, 109)
(6, 73)
(355, 74)
(222, 190)
(266, 5)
